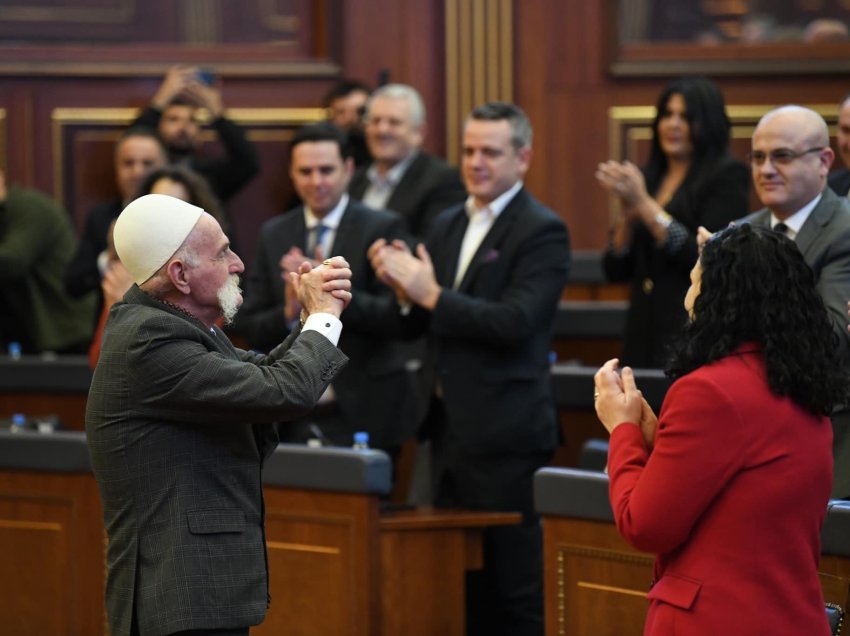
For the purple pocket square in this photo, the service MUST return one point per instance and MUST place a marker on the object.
(492, 255)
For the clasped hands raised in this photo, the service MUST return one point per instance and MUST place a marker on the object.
(618, 401)
(324, 287)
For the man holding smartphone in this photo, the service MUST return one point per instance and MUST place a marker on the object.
(173, 111)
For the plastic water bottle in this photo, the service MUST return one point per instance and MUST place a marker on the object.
(361, 440)
(19, 421)
(14, 350)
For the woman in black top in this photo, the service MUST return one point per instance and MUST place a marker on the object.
(690, 180)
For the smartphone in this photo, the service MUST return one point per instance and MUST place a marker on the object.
(206, 76)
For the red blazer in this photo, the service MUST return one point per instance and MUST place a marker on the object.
(732, 499)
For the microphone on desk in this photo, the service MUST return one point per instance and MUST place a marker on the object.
(318, 436)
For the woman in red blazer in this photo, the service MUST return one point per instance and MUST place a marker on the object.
(729, 485)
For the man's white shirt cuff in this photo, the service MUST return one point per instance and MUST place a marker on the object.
(326, 324)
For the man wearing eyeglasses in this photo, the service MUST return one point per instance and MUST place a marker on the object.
(790, 160)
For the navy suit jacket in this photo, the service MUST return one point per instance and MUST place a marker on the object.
(839, 181)
(489, 340)
(428, 186)
(373, 392)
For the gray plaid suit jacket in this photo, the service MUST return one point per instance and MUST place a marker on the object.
(177, 425)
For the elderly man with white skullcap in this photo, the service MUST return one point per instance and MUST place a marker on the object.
(179, 422)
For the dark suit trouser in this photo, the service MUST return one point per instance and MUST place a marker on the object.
(841, 454)
(506, 597)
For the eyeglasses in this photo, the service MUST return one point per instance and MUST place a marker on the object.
(778, 157)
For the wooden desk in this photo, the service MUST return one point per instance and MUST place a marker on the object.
(39, 385)
(425, 554)
(52, 567)
(339, 566)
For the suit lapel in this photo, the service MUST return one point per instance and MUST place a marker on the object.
(346, 228)
(446, 267)
(819, 217)
(407, 186)
(293, 232)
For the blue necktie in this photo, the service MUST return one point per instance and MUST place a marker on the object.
(317, 233)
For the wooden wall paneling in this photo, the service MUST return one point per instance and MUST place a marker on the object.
(405, 39)
(4, 151)
(479, 61)
(105, 34)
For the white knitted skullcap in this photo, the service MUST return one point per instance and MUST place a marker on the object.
(150, 230)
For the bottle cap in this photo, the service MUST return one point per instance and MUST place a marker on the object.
(19, 419)
(361, 437)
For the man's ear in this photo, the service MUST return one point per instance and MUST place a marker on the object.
(178, 274)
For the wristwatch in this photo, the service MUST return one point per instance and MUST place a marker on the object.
(663, 219)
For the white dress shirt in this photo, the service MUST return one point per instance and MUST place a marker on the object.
(796, 220)
(480, 222)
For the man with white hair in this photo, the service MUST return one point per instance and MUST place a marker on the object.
(179, 422)
(402, 177)
(790, 160)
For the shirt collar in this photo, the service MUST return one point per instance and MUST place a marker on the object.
(331, 219)
(497, 205)
(796, 220)
(394, 174)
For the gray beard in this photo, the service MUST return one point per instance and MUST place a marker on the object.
(228, 298)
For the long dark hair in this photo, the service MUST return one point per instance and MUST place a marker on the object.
(756, 288)
(709, 129)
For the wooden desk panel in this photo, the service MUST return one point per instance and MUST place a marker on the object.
(595, 583)
(52, 570)
(324, 561)
(425, 554)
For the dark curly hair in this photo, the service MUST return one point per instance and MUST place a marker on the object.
(757, 288)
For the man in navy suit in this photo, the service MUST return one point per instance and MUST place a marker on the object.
(401, 177)
(790, 161)
(374, 393)
(485, 288)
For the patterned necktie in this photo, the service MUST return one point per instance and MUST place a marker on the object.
(316, 234)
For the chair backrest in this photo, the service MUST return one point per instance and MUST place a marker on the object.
(56, 452)
(594, 454)
(566, 492)
(329, 468)
(835, 534)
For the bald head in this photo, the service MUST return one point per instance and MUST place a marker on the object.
(791, 158)
(804, 123)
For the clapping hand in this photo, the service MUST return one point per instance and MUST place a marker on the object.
(411, 277)
(618, 401)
